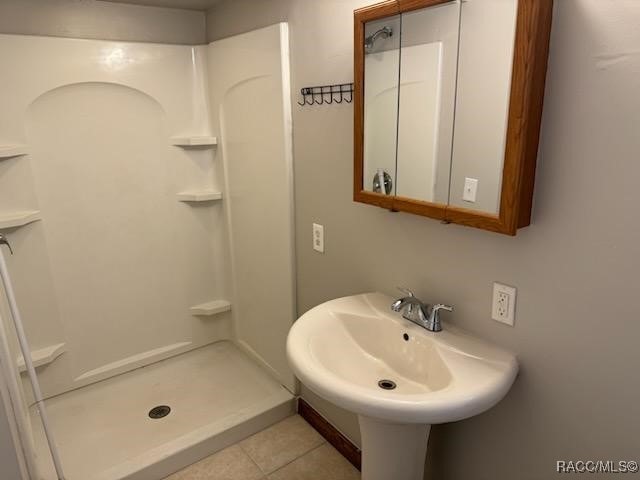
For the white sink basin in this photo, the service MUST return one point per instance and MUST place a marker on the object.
(343, 348)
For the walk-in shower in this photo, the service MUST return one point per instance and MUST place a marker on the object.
(135, 182)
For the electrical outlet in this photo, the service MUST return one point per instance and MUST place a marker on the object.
(504, 303)
(318, 238)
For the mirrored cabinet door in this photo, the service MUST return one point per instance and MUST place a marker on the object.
(428, 65)
(485, 63)
(381, 66)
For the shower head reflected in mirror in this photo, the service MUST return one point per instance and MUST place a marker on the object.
(384, 32)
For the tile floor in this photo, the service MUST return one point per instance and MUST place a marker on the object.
(289, 450)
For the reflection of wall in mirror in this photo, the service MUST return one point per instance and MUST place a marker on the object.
(381, 110)
(484, 84)
(429, 58)
(420, 85)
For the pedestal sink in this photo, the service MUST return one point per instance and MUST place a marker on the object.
(398, 377)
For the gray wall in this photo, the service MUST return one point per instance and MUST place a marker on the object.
(230, 17)
(9, 468)
(102, 20)
(578, 322)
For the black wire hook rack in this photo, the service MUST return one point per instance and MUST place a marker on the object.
(327, 94)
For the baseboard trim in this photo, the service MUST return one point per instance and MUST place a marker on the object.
(341, 443)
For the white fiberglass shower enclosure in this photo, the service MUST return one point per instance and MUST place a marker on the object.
(146, 190)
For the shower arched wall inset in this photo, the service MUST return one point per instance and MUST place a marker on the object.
(104, 177)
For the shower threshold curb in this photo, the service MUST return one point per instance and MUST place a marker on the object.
(192, 447)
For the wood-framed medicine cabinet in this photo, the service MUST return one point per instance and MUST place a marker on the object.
(448, 104)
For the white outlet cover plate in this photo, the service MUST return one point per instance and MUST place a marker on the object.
(470, 192)
(318, 238)
(510, 292)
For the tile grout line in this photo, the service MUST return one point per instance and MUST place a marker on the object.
(274, 471)
(239, 444)
(295, 459)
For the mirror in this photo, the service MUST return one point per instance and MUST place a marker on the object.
(448, 107)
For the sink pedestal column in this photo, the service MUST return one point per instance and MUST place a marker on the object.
(393, 450)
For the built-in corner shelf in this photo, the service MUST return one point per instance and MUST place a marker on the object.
(199, 196)
(211, 308)
(18, 219)
(194, 141)
(8, 151)
(41, 357)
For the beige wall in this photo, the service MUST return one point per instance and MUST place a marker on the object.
(9, 463)
(102, 20)
(230, 17)
(576, 266)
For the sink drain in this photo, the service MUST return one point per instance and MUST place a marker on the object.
(387, 384)
(160, 411)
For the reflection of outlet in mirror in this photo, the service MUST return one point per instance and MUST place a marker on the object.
(504, 303)
(318, 238)
(470, 189)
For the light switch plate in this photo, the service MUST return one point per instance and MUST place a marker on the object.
(318, 238)
(470, 190)
(504, 304)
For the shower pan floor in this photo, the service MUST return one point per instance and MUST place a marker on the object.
(217, 396)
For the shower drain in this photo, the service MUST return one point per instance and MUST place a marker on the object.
(387, 384)
(160, 411)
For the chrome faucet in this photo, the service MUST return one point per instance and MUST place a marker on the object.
(418, 312)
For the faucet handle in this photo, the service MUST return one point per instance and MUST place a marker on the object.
(433, 322)
(440, 306)
(406, 291)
